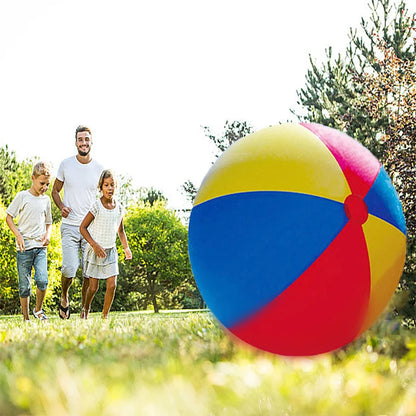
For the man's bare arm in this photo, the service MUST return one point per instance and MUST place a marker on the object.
(57, 187)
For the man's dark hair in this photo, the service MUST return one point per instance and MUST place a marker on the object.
(82, 128)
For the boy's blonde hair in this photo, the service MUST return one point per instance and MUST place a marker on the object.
(105, 174)
(41, 168)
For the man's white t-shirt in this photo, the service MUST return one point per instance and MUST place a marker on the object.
(80, 187)
(34, 213)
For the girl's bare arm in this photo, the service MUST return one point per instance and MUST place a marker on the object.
(99, 251)
(123, 239)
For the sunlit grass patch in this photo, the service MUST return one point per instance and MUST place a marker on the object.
(184, 364)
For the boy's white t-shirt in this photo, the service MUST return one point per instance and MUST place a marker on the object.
(80, 187)
(34, 213)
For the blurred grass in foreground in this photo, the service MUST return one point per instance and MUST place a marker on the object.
(183, 364)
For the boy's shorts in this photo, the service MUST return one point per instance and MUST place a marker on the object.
(36, 258)
(72, 243)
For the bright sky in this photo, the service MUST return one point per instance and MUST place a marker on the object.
(146, 75)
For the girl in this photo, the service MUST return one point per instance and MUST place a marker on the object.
(100, 228)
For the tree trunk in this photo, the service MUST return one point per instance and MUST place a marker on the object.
(152, 286)
(154, 301)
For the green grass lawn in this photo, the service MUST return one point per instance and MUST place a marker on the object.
(183, 364)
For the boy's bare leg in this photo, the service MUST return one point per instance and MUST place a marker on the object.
(85, 285)
(109, 295)
(40, 296)
(66, 283)
(89, 296)
(24, 303)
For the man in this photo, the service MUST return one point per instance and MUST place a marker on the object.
(79, 176)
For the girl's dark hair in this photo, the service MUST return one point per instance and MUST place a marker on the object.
(105, 174)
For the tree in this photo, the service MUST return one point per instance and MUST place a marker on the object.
(331, 91)
(126, 192)
(190, 190)
(389, 95)
(14, 175)
(159, 273)
(9, 287)
(151, 196)
(370, 94)
(232, 132)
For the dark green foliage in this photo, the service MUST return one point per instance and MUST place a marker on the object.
(9, 288)
(190, 190)
(331, 92)
(159, 275)
(15, 176)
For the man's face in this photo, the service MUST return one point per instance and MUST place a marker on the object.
(41, 184)
(83, 143)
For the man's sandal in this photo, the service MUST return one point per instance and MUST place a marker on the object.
(40, 315)
(64, 310)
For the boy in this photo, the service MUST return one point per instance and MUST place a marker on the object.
(32, 233)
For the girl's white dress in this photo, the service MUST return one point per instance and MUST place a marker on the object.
(103, 230)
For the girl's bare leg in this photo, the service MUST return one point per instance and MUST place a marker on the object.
(85, 284)
(109, 295)
(89, 296)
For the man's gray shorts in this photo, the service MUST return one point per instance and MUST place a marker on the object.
(73, 248)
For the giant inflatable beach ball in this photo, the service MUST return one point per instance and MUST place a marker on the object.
(297, 239)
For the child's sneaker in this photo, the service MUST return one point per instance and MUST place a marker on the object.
(40, 315)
